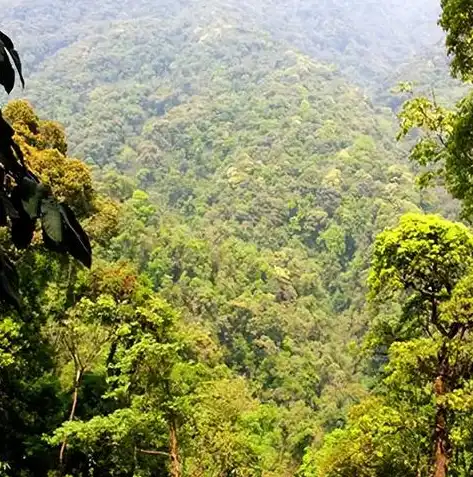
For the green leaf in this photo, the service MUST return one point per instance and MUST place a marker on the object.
(76, 241)
(10, 208)
(7, 73)
(9, 282)
(7, 45)
(31, 193)
(51, 220)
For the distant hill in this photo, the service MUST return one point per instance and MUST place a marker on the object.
(429, 71)
(365, 38)
(255, 164)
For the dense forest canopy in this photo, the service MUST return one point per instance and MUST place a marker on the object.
(271, 294)
(339, 31)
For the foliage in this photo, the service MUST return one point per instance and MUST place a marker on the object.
(457, 21)
(23, 198)
(233, 191)
(415, 426)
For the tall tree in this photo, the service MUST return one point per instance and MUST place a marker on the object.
(418, 424)
(426, 257)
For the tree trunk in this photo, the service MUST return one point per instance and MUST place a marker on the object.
(174, 449)
(442, 447)
(441, 453)
(72, 414)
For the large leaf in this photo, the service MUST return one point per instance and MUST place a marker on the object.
(7, 74)
(50, 244)
(11, 156)
(22, 231)
(7, 210)
(10, 208)
(63, 233)
(9, 282)
(3, 213)
(31, 192)
(76, 240)
(23, 225)
(51, 219)
(5, 128)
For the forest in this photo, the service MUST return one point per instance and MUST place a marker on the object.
(236, 238)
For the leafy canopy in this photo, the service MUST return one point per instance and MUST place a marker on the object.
(24, 199)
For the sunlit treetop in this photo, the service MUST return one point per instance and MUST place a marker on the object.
(24, 198)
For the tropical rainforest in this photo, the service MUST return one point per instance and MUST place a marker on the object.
(236, 238)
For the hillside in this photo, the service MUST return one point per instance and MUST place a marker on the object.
(341, 32)
(428, 71)
(233, 131)
(242, 174)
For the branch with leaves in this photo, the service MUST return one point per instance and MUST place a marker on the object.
(24, 199)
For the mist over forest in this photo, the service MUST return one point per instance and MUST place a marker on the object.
(235, 238)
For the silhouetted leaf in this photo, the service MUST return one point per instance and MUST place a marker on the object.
(22, 226)
(51, 219)
(9, 282)
(77, 242)
(7, 210)
(5, 128)
(6, 45)
(31, 193)
(7, 159)
(3, 214)
(10, 208)
(7, 73)
(11, 156)
(22, 231)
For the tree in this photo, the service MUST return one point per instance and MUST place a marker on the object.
(141, 359)
(427, 260)
(457, 21)
(444, 146)
(82, 339)
(379, 440)
(24, 199)
(417, 422)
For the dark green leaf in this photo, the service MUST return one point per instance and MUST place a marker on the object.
(9, 282)
(22, 231)
(8, 45)
(31, 193)
(51, 219)
(22, 225)
(11, 156)
(50, 244)
(3, 214)
(10, 208)
(7, 74)
(76, 241)
(7, 210)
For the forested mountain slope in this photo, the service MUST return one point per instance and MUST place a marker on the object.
(428, 71)
(365, 38)
(243, 135)
(243, 176)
